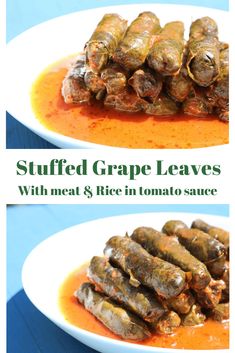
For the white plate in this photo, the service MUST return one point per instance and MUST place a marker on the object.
(32, 51)
(55, 258)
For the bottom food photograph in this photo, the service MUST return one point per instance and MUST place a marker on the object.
(143, 282)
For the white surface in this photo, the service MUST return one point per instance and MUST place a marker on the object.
(32, 51)
(55, 258)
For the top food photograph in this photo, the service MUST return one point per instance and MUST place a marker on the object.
(139, 83)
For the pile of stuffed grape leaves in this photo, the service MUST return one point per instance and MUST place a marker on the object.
(146, 67)
(152, 282)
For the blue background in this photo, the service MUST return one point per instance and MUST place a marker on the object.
(27, 225)
(23, 14)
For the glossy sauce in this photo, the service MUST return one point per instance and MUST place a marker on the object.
(212, 335)
(97, 124)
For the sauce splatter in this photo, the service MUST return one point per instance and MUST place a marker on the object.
(97, 124)
(211, 335)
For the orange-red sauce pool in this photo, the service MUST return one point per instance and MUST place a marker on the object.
(100, 125)
(212, 335)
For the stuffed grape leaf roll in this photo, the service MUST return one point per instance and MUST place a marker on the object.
(74, 89)
(133, 49)
(95, 84)
(146, 84)
(226, 279)
(166, 54)
(168, 322)
(113, 316)
(182, 303)
(197, 104)
(210, 296)
(169, 249)
(114, 283)
(194, 317)
(179, 86)
(104, 40)
(166, 279)
(203, 62)
(114, 78)
(220, 312)
(218, 92)
(203, 246)
(216, 232)
(171, 227)
(125, 101)
(163, 106)
(199, 243)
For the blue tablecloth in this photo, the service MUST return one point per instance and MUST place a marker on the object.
(23, 14)
(28, 331)
(19, 136)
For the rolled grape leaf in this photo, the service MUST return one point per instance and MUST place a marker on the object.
(168, 248)
(113, 316)
(104, 40)
(125, 101)
(204, 26)
(171, 227)
(114, 78)
(146, 84)
(166, 279)
(203, 61)
(210, 296)
(220, 312)
(95, 84)
(115, 284)
(201, 245)
(194, 317)
(179, 86)
(217, 267)
(163, 106)
(218, 92)
(197, 104)
(74, 89)
(166, 54)
(182, 303)
(168, 323)
(226, 279)
(216, 232)
(133, 49)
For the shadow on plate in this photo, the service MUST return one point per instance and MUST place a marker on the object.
(29, 331)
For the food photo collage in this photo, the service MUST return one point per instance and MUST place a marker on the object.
(110, 81)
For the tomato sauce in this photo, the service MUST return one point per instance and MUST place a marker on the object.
(97, 124)
(211, 335)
